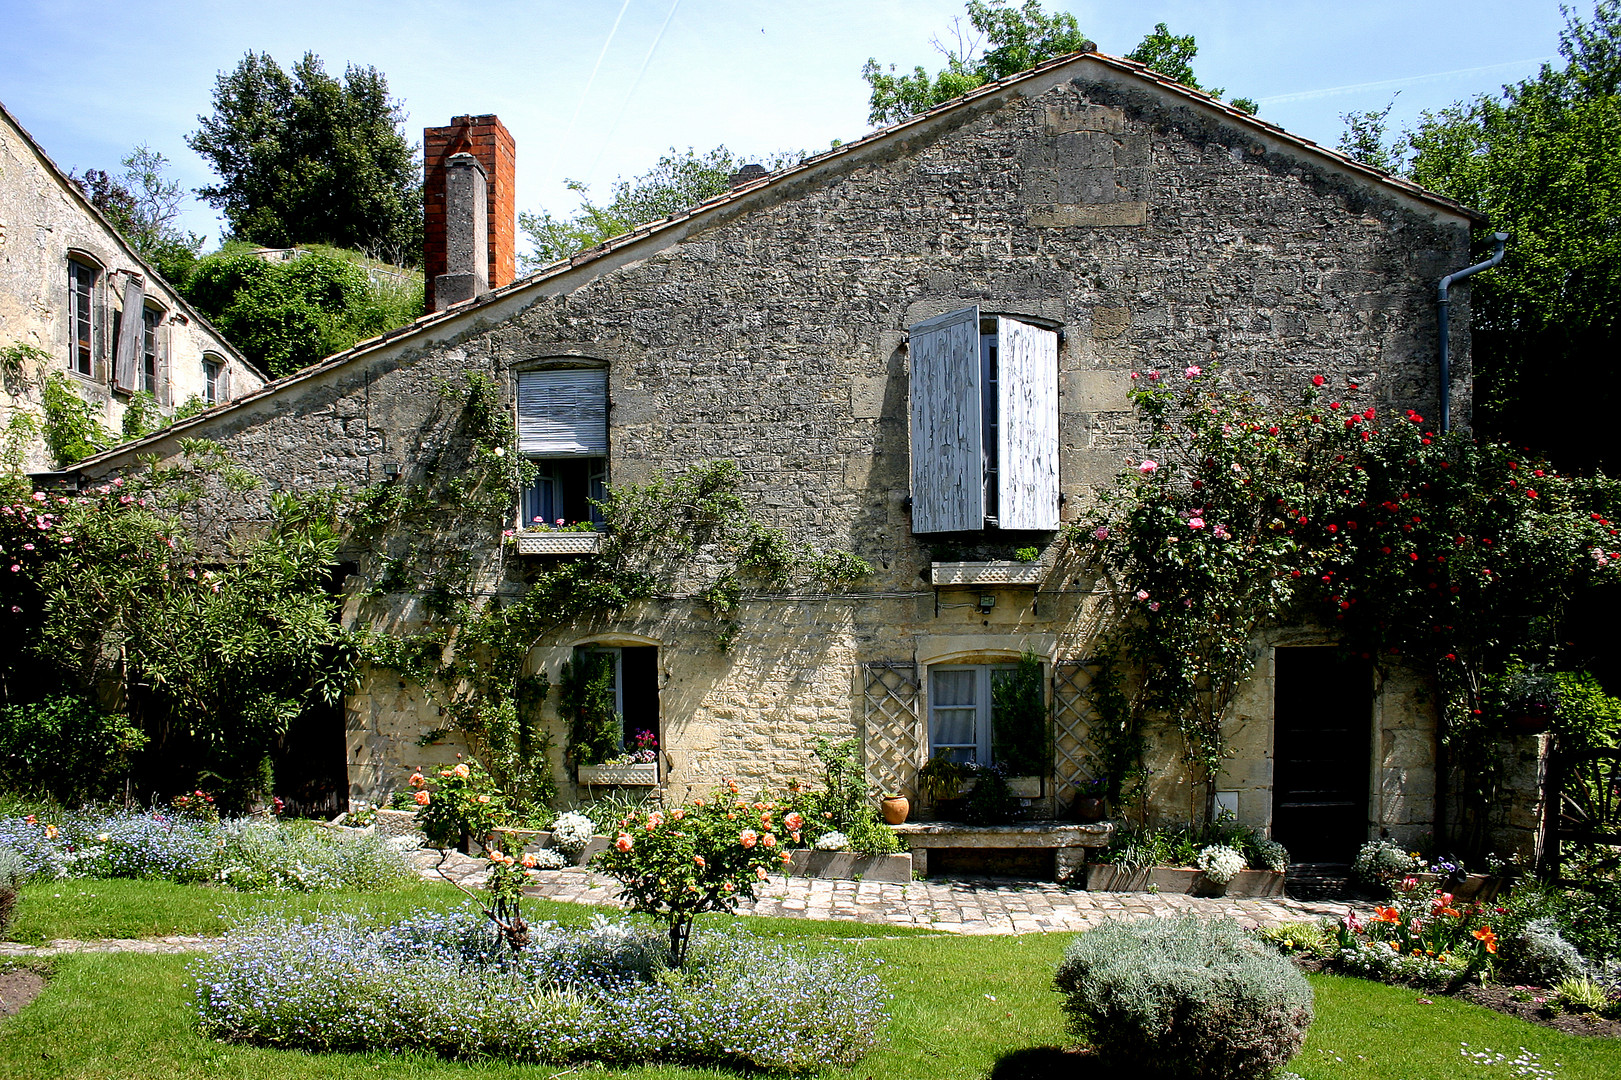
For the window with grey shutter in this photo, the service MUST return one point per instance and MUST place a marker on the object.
(131, 337)
(1027, 426)
(948, 488)
(984, 424)
(563, 413)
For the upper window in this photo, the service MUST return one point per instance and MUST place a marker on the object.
(213, 372)
(563, 429)
(82, 316)
(984, 424)
(151, 345)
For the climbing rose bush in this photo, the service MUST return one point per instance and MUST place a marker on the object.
(449, 984)
(705, 855)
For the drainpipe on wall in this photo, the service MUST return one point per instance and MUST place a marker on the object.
(1446, 343)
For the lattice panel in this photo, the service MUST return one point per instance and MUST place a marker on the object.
(1072, 724)
(892, 737)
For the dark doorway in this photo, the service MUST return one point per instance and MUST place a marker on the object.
(1322, 735)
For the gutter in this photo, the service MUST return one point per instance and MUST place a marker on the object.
(1445, 330)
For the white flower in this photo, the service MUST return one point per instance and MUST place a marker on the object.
(1220, 863)
(572, 831)
(832, 841)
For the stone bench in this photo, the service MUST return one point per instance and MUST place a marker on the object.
(1067, 840)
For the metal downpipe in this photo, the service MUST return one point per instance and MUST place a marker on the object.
(1446, 326)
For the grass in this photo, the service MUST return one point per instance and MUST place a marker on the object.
(963, 1007)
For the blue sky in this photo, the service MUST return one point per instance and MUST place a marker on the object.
(90, 80)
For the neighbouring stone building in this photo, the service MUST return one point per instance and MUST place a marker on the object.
(67, 283)
(835, 328)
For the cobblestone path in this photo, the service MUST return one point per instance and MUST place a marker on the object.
(964, 905)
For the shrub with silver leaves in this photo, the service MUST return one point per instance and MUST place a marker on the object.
(1190, 998)
(1220, 863)
(1539, 954)
(1271, 855)
(572, 831)
(448, 985)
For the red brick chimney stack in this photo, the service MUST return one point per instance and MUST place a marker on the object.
(491, 143)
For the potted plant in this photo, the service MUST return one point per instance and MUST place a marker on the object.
(895, 807)
(1525, 699)
(941, 781)
(1089, 804)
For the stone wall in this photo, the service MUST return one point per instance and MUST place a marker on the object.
(42, 220)
(1153, 231)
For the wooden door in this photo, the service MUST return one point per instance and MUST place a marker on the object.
(1322, 751)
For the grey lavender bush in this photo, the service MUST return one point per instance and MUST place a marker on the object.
(244, 854)
(447, 985)
(1184, 997)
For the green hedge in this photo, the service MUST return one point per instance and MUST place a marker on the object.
(64, 747)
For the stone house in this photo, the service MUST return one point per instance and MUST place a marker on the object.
(916, 347)
(68, 280)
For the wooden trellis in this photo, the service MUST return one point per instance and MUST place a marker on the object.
(1073, 748)
(892, 741)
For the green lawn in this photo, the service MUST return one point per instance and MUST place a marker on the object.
(967, 1007)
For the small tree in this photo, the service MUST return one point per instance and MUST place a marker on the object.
(703, 856)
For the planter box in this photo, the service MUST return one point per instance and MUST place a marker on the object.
(392, 823)
(1476, 888)
(542, 542)
(1106, 877)
(634, 774)
(848, 866)
(998, 572)
(1024, 787)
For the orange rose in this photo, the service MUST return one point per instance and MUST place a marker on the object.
(462, 771)
(699, 859)
(417, 780)
(624, 843)
(529, 860)
(794, 822)
(421, 797)
(748, 838)
(768, 840)
(759, 872)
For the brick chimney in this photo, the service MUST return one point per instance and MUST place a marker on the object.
(483, 146)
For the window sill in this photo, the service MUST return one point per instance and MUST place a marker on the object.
(999, 572)
(629, 774)
(541, 542)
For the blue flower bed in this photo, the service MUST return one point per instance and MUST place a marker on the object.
(448, 985)
(243, 854)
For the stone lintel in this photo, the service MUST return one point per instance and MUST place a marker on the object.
(1041, 834)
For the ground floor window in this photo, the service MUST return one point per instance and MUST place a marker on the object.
(624, 679)
(960, 710)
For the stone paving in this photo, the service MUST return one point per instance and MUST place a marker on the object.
(960, 905)
(176, 943)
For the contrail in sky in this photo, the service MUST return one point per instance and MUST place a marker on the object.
(587, 91)
(648, 59)
(1394, 84)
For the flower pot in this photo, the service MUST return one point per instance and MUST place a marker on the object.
(896, 807)
(1530, 723)
(1089, 808)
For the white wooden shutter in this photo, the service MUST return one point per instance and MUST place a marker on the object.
(563, 413)
(1027, 429)
(948, 480)
(131, 327)
(222, 385)
(164, 390)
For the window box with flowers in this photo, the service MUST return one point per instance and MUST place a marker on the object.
(580, 538)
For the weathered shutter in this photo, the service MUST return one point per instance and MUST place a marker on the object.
(222, 385)
(163, 391)
(948, 480)
(1027, 429)
(131, 327)
(563, 413)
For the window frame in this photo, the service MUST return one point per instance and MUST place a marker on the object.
(532, 500)
(213, 368)
(152, 343)
(83, 348)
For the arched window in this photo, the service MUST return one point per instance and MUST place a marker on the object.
(215, 389)
(83, 279)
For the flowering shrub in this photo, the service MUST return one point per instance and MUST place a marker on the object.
(1379, 861)
(459, 801)
(703, 856)
(1198, 999)
(1135, 848)
(572, 831)
(240, 853)
(842, 805)
(448, 985)
(1220, 863)
(1248, 514)
(1421, 936)
(832, 840)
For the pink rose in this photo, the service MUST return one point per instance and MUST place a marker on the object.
(1191, 373)
(1142, 594)
(1196, 523)
(1101, 532)
(1148, 468)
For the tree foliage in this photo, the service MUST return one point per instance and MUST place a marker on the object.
(144, 204)
(679, 181)
(306, 157)
(1542, 161)
(284, 316)
(1001, 40)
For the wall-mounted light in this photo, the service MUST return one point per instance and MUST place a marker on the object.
(986, 602)
(391, 469)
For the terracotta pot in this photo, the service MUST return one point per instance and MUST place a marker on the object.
(896, 807)
(1089, 808)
